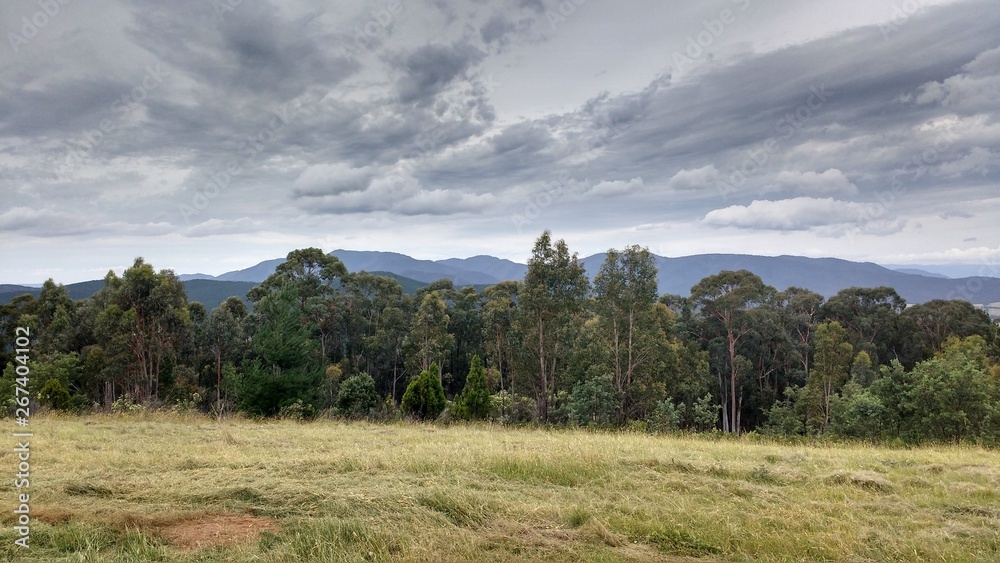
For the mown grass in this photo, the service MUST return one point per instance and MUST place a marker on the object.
(107, 488)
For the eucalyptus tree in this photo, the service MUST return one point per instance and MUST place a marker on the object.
(553, 292)
(871, 318)
(729, 299)
(500, 330)
(833, 362)
(224, 335)
(802, 310)
(317, 280)
(429, 339)
(143, 325)
(931, 323)
(625, 290)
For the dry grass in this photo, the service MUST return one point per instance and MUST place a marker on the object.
(174, 488)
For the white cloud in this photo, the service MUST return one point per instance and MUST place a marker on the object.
(695, 179)
(615, 188)
(796, 214)
(975, 89)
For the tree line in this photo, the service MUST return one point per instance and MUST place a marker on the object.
(735, 355)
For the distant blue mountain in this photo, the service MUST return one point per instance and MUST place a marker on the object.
(826, 276)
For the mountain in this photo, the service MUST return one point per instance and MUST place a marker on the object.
(254, 274)
(917, 272)
(826, 276)
(500, 269)
(209, 293)
(984, 269)
(422, 270)
(478, 270)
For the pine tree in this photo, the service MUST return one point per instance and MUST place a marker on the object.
(474, 402)
(424, 396)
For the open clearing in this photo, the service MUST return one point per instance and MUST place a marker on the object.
(172, 488)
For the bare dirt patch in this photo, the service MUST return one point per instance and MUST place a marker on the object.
(221, 529)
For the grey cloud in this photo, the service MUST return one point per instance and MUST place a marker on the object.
(431, 68)
(800, 214)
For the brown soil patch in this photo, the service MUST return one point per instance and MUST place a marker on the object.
(209, 531)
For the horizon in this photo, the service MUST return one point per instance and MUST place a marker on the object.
(208, 137)
(985, 269)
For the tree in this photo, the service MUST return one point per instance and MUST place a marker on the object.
(283, 366)
(594, 399)
(728, 297)
(553, 290)
(357, 396)
(311, 272)
(833, 358)
(871, 318)
(474, 402)
(861, 370)
(55, 314)
(424, 396)
(934, 321)
(625, 289)
(429, 339)
(224, 334)
(500, 330)
(143, 324)
(801, 311)
(316, 278)
(953, 396)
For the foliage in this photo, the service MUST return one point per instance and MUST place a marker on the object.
(474, 402)
(594, 400)
(552, 294)
(860, 365)
(357, 396)
(54, 395)
(424, 396)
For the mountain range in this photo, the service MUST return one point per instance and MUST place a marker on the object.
(826, 276)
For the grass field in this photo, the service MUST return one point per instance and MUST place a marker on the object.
(171, 488)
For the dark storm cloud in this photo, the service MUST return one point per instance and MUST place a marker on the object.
(431, 68)
(424, 114)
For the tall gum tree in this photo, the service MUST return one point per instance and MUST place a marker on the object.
(729, 297)
(554, 288)
(625, 290)
(146, 321)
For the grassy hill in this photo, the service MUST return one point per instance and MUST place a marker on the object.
(174, 488)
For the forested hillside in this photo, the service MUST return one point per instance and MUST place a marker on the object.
(559, 347)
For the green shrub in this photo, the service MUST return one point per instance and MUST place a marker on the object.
(475, 401)
(357, 396)
(424, 396)
(54, 395)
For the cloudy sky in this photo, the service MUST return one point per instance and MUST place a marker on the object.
(207, 136)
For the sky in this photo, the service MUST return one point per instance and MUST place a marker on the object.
(209, 135)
